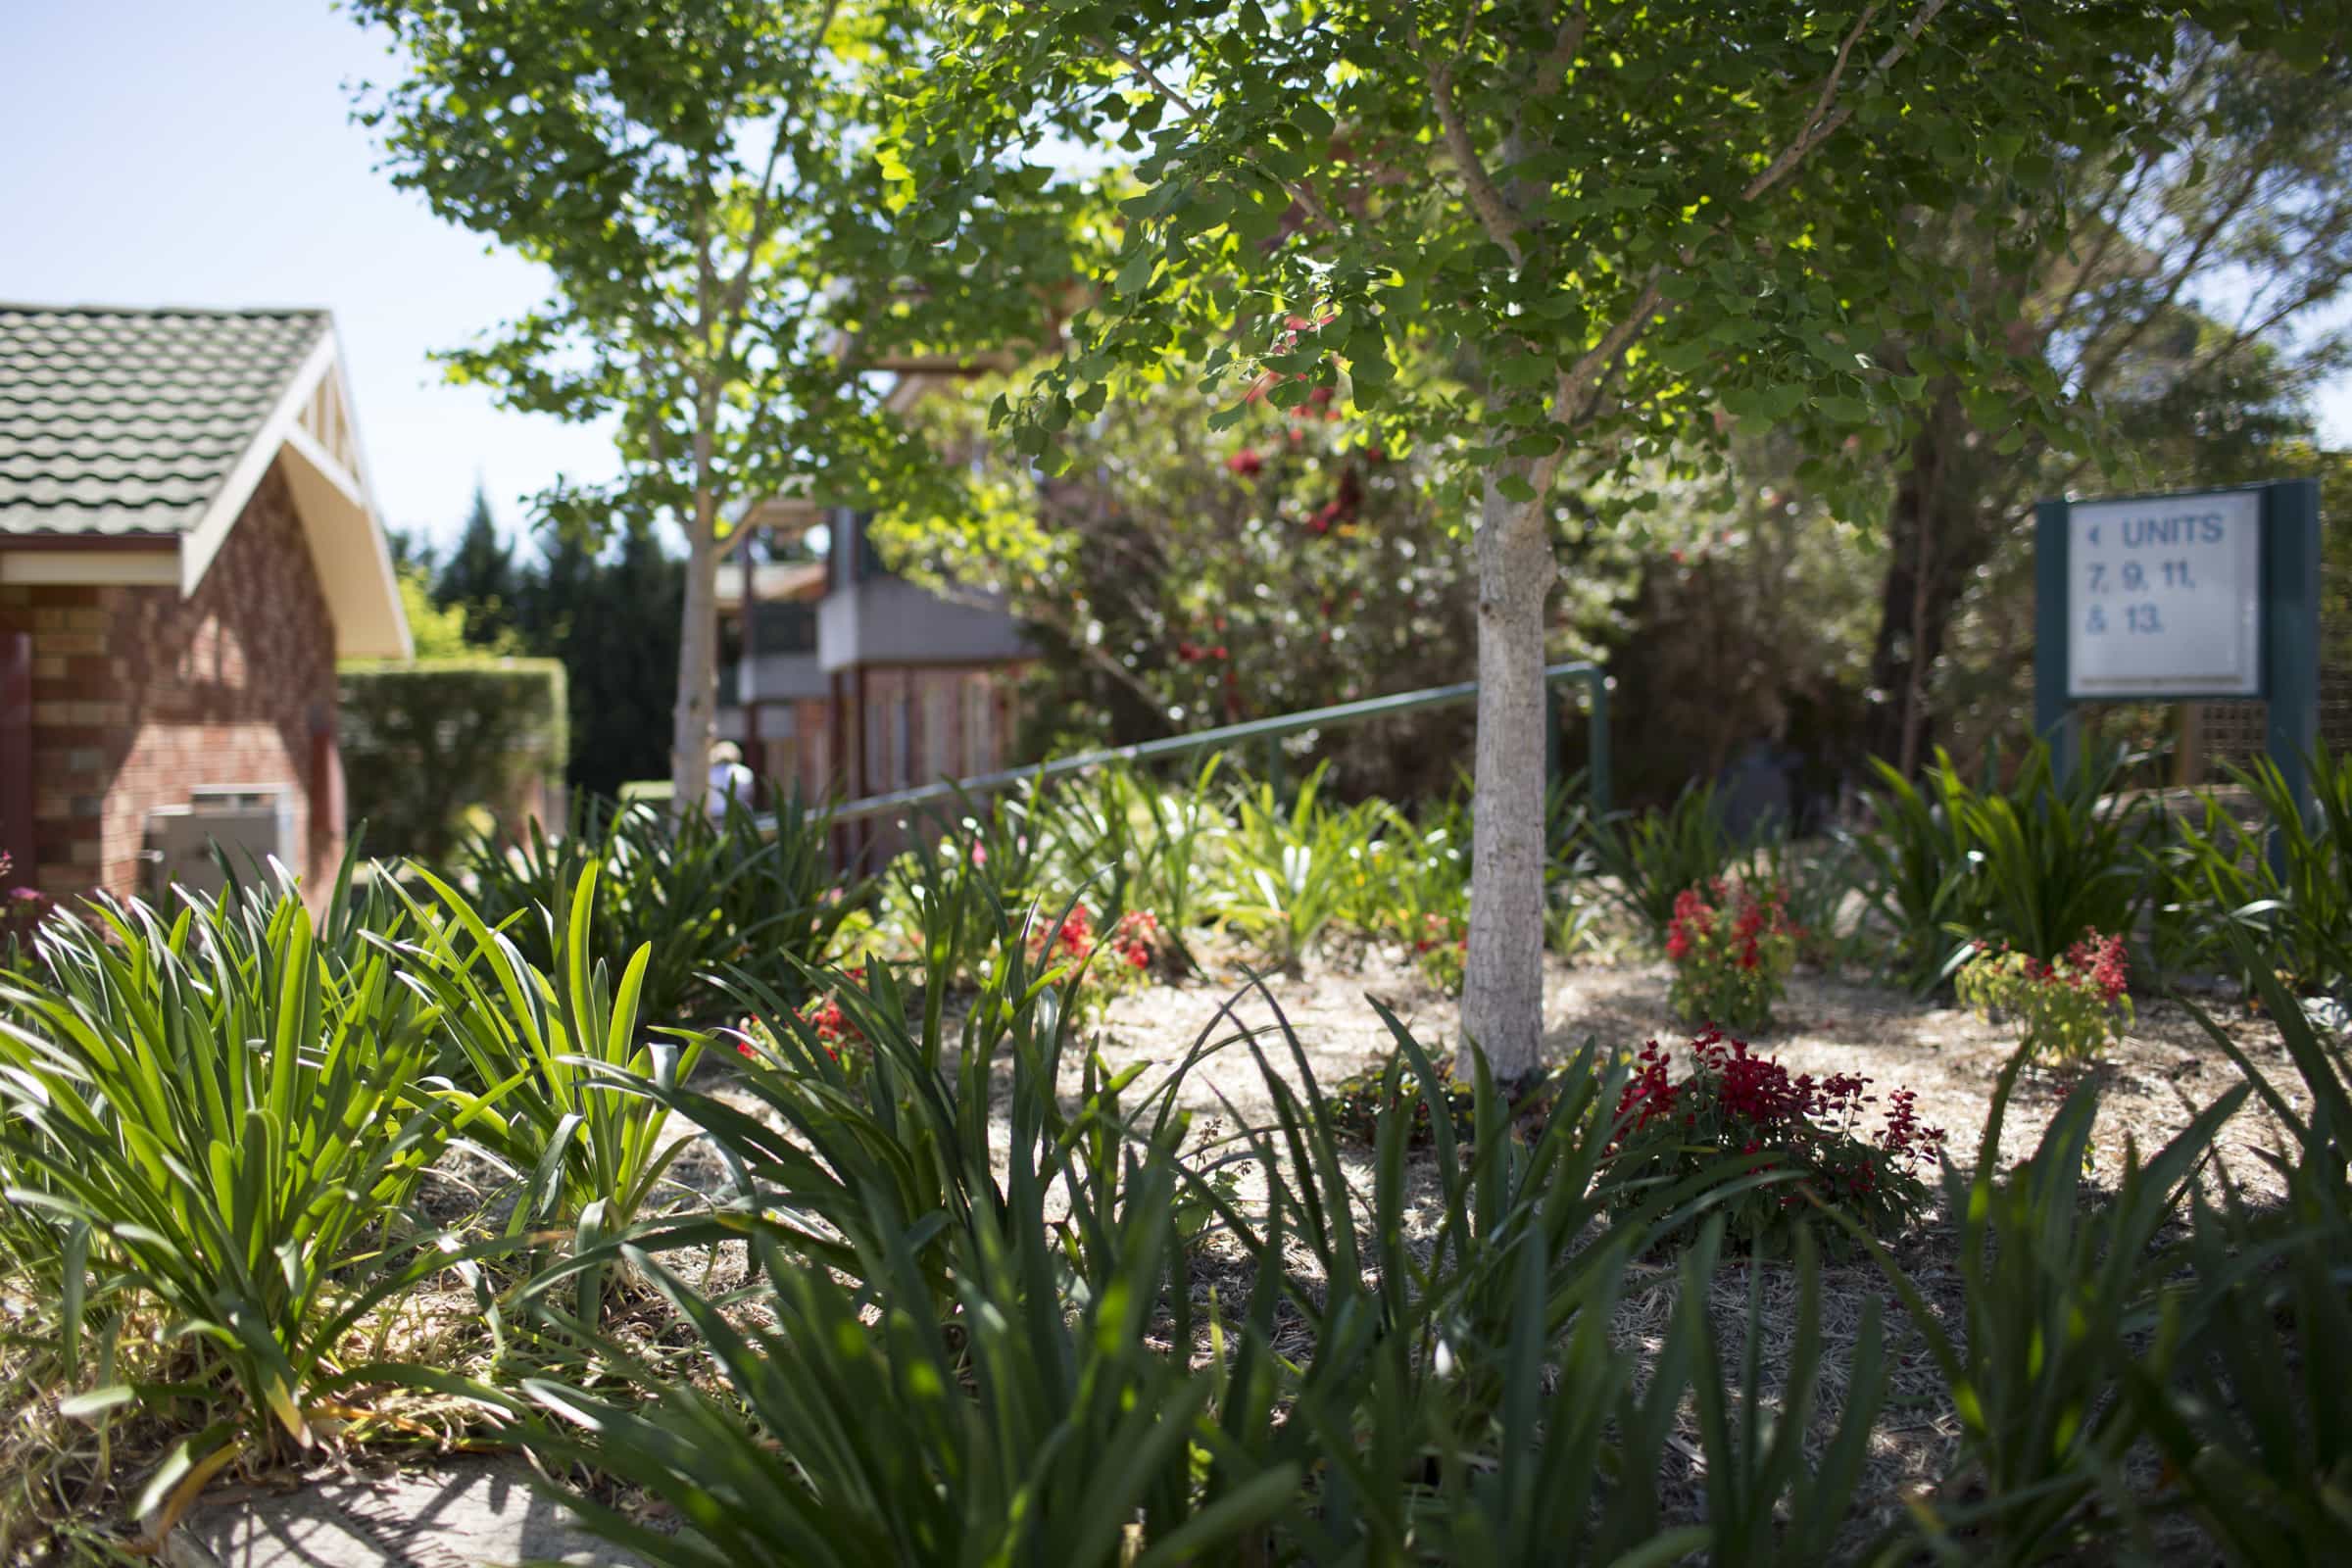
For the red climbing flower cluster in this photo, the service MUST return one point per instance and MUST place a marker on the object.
(1731, 946)
(1737, 1102)
(2065, 1011)
(1246, 462)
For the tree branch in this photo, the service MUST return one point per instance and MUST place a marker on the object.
(739, 287)
(1135, 63)
(1494, 213)
(1566, 44)
(1301, 192)
(1577, 385)
(1825, 122)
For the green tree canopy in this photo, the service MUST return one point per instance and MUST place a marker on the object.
(1611, 232)
(706, 184)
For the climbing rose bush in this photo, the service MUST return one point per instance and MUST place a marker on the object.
(2063, 1011)
(1735, 1103)
(1732, 947)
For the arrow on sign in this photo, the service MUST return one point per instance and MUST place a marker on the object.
(2095, 533)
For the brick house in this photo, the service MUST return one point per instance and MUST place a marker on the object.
(187, 545)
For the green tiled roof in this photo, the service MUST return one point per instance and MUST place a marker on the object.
(125, 421)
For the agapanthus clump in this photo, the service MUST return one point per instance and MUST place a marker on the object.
(1732, 949)
(1735, 1103)
(2064, 1011)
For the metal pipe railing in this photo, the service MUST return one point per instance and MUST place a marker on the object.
(1270, 732)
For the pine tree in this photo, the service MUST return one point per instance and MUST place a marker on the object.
(479, 576)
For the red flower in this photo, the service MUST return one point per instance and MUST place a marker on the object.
(1244, 463)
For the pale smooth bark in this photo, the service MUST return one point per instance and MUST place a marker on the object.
(1503, 984)
(695, 718)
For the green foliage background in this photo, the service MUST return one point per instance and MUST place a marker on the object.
(422, 741)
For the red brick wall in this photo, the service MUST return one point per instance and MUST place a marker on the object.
(139, 696)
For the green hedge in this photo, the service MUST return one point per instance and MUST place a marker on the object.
(425, 742)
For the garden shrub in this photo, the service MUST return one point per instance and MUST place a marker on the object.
(1095, 967)
(232, 1115)
(1735, 1105)
(1655, 856)
(706, 897)
(2055, 1292)
(2254, 1421)
(2063, 1011)
(1732, 947)
(425, 742)
(2035, 865)
(1392, 1086)
(2219, 876)
(1413, 886)
(1290, 868)
(2059, 858)
(555, 1053)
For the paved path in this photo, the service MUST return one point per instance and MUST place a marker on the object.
(473, 1513)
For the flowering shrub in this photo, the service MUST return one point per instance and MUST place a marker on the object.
(1732, 950)
(840, 1037)
(1737, 1102)
(1442, 950)
(2064, 1011)
(1132, 947)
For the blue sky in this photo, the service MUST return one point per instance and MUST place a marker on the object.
(168, 152)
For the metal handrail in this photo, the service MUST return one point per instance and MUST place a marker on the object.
(1339, 715)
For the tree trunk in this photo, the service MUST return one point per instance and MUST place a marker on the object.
(694, 720)
(1502, 985)
(1934, 541)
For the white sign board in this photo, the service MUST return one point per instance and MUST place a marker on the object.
(2164, 597)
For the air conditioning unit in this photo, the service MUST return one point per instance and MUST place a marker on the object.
(252, 822)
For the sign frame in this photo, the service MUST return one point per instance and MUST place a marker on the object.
(2244, 617)
(2286, 636)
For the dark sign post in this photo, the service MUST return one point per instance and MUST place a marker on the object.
(2210, 594)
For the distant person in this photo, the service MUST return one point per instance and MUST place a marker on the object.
(730, 780)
